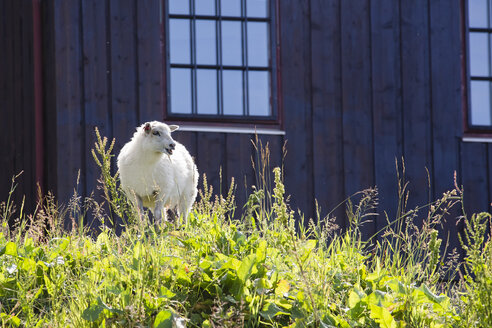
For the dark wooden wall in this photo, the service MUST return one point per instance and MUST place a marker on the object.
(17, 151)
(364, 83)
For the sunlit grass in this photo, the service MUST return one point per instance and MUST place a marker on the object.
(271, 268)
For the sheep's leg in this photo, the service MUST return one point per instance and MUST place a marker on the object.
(160, 211)
(137, 201)
(184, 208)
(139, 205)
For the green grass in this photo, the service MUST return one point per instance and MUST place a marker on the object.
(263, 270)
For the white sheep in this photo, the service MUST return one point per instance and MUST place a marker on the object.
(158, 172)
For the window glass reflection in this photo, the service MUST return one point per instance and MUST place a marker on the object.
(259, 93)
(205, 42)
(480, 103)
(478, 13)
(257, 8)
(232, 86)
(204, 7)
(479, 54)
(258, 44)
(230, 8)
(206, 91)
(179, 7)
(181, 90)
(231, 43)
(179, 31)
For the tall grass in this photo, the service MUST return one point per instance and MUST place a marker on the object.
(264, 270)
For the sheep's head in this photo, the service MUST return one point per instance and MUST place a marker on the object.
(157, 137)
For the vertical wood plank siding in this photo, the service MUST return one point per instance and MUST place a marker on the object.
(416, 100)
(387, 105)
(124, 66)
(70, 143)
(358, 137)
(445, 52)
(17, 102)
(328, 160)
(96, 109)
(296, 88)
(150, 87)
(363, 83)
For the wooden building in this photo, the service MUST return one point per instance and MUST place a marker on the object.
(350, 85)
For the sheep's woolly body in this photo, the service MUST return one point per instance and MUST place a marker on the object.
(158, 179)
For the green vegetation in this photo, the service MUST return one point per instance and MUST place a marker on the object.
(271, 268)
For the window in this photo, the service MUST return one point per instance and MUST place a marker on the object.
(479, 65)
(221, 61)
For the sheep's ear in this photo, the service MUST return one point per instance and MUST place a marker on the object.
(147, 128)
(173, 127)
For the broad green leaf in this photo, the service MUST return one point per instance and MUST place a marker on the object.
(308, 248)
(64, 242)
(138, 250)
(182, 277)
(28, 245)
(10, 318)
(92, 313)
(28, 265)
(397, 286)
(164, 319)
(116, 290)
(126, 297)
(246, 267)
(271, 310)
(9, 249)
(355, 304)
(353, 299)
(433, 297)
(376, 298)
(325, 325)
(262, 286)
(38, 293)
(261, 251)
(106, 307)
(382, 316)
(283, 303)
(50, 287)
(329, 320)
(166, 293)
(283, 287)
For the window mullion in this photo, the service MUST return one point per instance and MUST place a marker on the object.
(192, 57)
(245, 59)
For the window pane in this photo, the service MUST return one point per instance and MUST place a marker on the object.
(205, 7)
(179, 7)
(205, 42)
(258, 44)
(232, 91)
(479, 54)
(181, 90)
(477, 13)
(257, 8)
(231, 43)
(206, 91)
(230, 7)
(179, 32)
(259, 93)
(480, 103)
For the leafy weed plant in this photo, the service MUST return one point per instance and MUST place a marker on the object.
(268, 269)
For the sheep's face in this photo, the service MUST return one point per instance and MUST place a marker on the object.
(158, 137)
